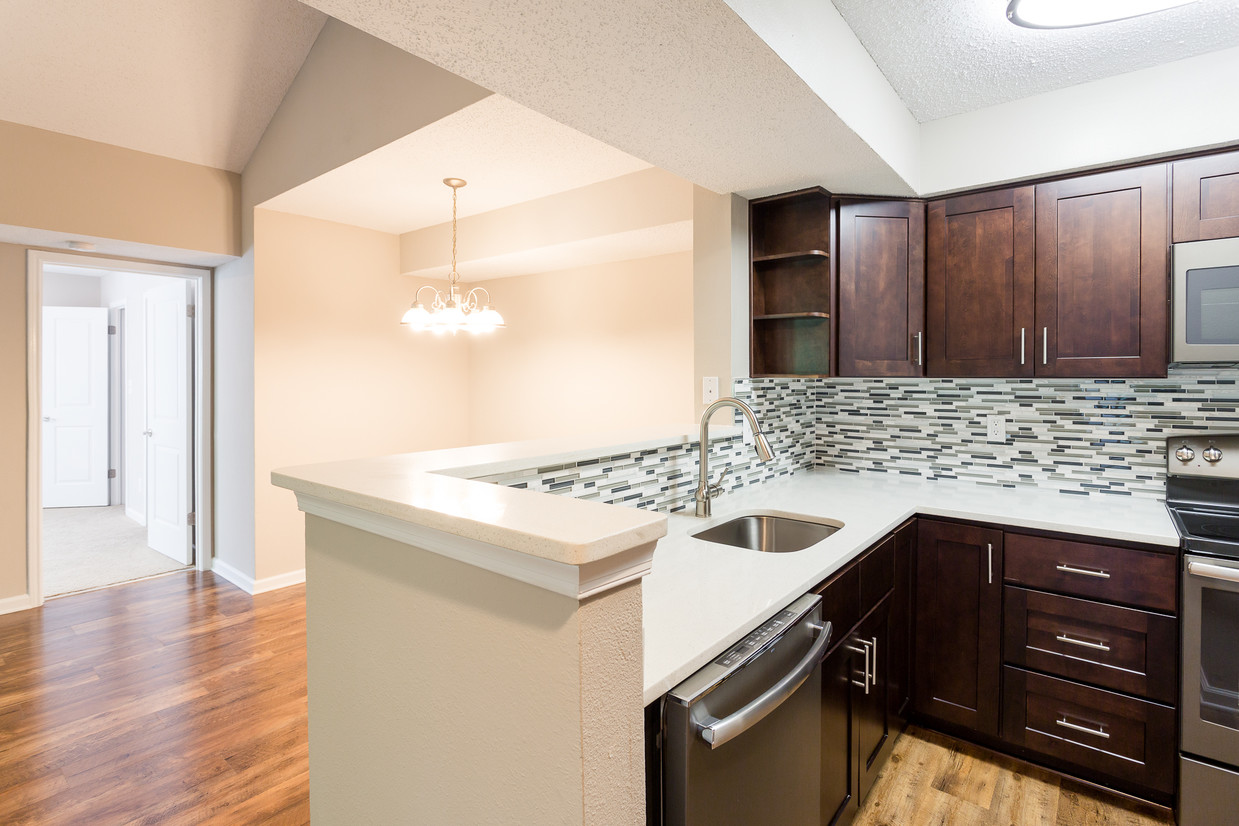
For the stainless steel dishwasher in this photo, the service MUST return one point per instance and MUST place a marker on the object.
(742, 737)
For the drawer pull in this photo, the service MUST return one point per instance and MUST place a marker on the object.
(1097, 646)
(1071, 569)
(1098, 732)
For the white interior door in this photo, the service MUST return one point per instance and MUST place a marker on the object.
(75, 407)
(168, 421)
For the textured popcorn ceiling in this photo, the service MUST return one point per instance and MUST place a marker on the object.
(684, 85)
(944, 57)
(194, 80)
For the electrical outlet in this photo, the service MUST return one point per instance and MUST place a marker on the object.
(709, 389)
(996, 428)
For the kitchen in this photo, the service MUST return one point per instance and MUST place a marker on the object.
(812, 393)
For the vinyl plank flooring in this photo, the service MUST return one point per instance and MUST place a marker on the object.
(934, 780)
(178, 700)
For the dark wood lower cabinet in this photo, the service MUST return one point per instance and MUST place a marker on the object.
(958, 624)
(1118, 740)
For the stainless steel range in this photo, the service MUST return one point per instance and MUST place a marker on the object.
(1202, 495)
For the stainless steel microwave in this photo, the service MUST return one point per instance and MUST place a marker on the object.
(1206, 301)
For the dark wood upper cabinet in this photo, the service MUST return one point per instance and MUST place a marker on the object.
(958, 624)
(979, 285)
(1206, 198)
(881, 304)
(1101, 274)
(790, 279)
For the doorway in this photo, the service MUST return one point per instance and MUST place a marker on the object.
(119, 442)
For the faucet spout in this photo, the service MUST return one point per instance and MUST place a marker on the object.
(705, 490)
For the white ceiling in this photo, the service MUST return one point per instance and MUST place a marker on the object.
(195, 80)
(945, 57)
(508, 154)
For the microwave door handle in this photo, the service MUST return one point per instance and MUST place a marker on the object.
(717, 732)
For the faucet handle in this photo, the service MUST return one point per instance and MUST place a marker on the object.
(716, 487)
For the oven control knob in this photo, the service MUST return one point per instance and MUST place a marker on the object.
(1185, 454)
(1212, 454)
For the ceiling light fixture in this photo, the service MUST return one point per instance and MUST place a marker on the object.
(1066, 14)
(452, 313)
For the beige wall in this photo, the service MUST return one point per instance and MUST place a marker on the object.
(354, 93)
(80, 187)
(335, 375)
(12, 421)
(720, 291)
(586, 350)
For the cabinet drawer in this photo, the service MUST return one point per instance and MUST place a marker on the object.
(1118, 648)
(877, 574)
(1100, 732)
(1144, 579)
(841, 602)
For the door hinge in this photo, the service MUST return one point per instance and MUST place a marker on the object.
(111, 329)
(112, 473)
(191, 310)
(191, 519)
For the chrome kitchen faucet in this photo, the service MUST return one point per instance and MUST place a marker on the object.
(705, 490)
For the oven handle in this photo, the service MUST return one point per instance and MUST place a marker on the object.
(1210, 571)
(717, 732)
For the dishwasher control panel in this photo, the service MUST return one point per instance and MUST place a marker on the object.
(767, 631)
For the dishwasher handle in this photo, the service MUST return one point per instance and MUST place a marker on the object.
(717, 732)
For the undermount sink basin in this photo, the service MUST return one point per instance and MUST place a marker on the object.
(769, 533)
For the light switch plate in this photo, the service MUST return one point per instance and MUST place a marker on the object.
(709, 389)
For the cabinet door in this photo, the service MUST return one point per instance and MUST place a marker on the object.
(841, 669)
(881, 305)
(1102, 268)
(872, 728)
(979, 284)
(1206, 198)
(958, 624)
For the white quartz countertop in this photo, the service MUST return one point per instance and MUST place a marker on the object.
(702, 596)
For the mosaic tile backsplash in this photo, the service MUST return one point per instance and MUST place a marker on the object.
(1081, 436)
(665, 479)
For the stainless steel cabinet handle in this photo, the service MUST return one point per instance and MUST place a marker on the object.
(1071, 569)
(1022, 346)
(864, 680)
(1204, 569)
(1096, 732)
(989, 553)
(147, 433)
(717, 732)
(1097, 646)
(48, 419)
(1045, 345)
(873, 670)
(920, 349)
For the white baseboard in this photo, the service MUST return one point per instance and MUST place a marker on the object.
(140, 518)
(260, 586)
(20, 603)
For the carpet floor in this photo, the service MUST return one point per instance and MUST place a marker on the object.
(85, 548)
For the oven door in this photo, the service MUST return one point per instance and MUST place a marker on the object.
(1210, 704)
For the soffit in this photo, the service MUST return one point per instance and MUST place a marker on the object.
(194, 80)
(945, 57)
(508, 153)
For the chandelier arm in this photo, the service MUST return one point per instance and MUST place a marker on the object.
(471, 302)
(419, 292)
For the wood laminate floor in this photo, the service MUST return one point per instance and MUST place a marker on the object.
(177, 700)
(182, 700)
(934, 780)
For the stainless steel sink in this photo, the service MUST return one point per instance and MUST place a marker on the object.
(769, 533)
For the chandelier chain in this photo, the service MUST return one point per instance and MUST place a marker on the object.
(454, 274)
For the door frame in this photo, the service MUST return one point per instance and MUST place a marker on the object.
(201, 406)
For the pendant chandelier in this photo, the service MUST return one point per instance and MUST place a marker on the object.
(453, 312)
